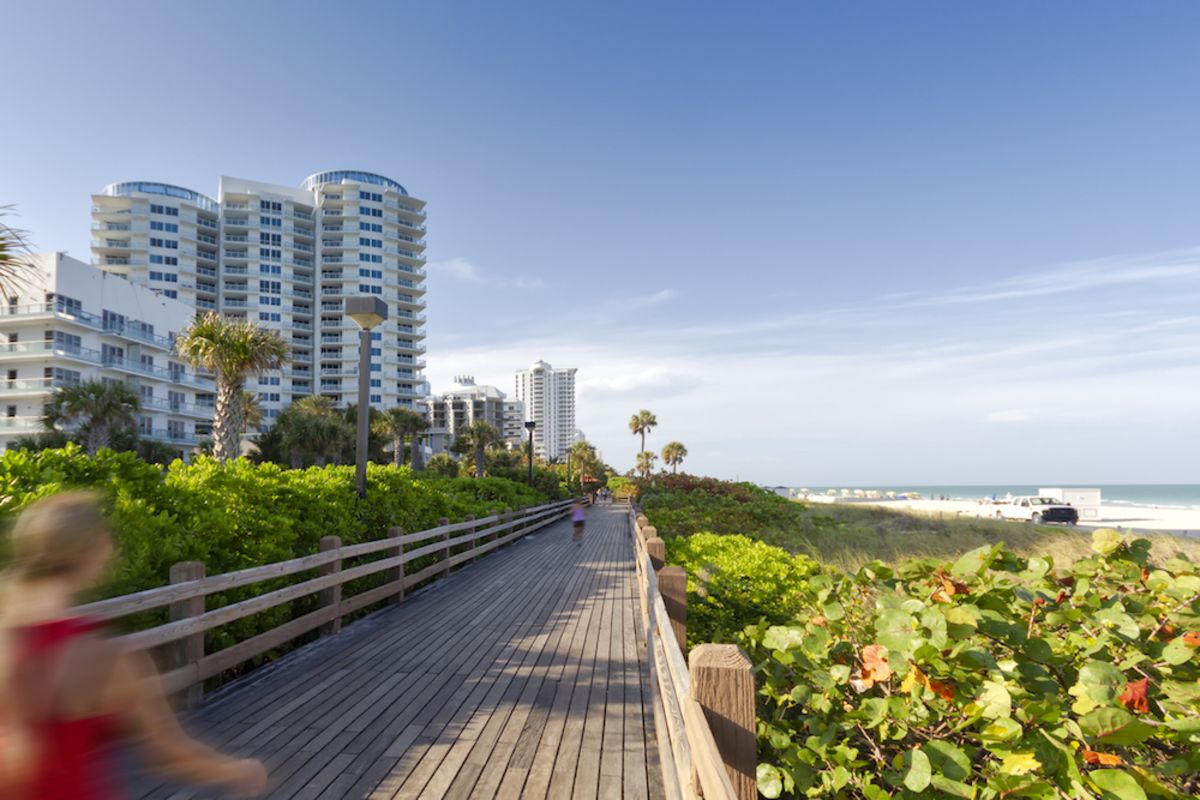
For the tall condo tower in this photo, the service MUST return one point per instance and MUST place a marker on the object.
(287, 258)
(549, 398)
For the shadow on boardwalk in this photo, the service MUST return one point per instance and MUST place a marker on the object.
(522, 675)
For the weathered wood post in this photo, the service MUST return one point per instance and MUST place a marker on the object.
(333, 595)
(395, 575)
(672, 585)
(506, 518)
(723, 684)
(189, 649)
(444, 553)
(656, 548)
(642, 520)
(474, 541)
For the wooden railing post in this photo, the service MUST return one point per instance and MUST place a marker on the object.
(396, 574)
(474, 541)
(333, 595)
(672, 585)
(656, 548)
(505, 518)
(190, 649)
(723, 684)
(444, 554)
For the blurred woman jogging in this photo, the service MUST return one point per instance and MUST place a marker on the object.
(68, 695)
(578, 517)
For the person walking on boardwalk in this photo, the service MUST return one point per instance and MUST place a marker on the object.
(578, 516)
(67, 695)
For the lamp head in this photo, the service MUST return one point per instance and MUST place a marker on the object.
(366, 311)
(530, 425)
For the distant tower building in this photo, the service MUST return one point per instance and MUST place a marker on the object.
(286, 258)
(549, 398)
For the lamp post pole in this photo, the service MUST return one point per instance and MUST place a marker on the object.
(529, 426)
(364, 410)
(367, 312)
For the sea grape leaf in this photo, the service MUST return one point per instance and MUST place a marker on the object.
(1115, 726)
(1019, 764)
(1116, 784)
(994, 701)
(948, 759)
(973, 562)
(1102, 681)
(918, 772)
(1004, 729)
(1177, 652)
(770, 781)
(783, 637)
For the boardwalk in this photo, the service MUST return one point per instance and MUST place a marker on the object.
(521, 675)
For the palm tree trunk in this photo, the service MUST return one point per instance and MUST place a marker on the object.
(97, 437)
(418, 455)
(226, 418)
(643, 440)
(297, 459)
(674, 467)
(478, 461)
(398, 447)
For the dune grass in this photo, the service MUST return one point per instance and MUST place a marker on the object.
(849, 536)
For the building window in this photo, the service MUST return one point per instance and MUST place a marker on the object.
(164, 210)
(270, 269)
(171, 293)
(370, 227)
(270, 238)
(372, 196)
(370, 212)
(169, 227)
(365, 242)
(273, 222)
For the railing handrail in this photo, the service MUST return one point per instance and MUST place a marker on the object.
(148, 599)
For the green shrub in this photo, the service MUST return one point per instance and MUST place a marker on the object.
(240, 514)
(733, 580)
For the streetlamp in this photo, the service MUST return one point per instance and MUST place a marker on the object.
(529, 426)
(367, 312)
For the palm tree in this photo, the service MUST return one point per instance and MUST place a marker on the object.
(396, 424)
(252, 412)
(232, 350)
(417, 424)
(316, 426)
(641, 423)
(645, 463)
(674, 453)
(99, 409)
(15, 265)
(583, 455)
(481, 435)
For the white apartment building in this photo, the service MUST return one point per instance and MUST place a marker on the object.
(73, 322)
(549, 398)
(287, 258)
(513, 428)
(454, 411)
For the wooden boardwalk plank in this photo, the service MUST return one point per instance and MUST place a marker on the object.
(520, 675)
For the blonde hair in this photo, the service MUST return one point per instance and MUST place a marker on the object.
(56, 535)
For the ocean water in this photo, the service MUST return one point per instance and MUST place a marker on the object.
(1156, 495)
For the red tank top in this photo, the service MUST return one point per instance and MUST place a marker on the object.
(74, 761)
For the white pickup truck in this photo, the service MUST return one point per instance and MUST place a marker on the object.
(1037, 510)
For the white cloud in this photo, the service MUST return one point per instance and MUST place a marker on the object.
(643, 300)
(460, 269)
(1010, 415)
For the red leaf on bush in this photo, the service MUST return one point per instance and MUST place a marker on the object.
(1134, 696)
(1062, 595)
(942, 690)
(1103, 759)
(1192, 638)
(818, 620)
(875, 663)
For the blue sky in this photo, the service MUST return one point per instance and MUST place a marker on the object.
(826, 243)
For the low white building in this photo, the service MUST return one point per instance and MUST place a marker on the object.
(454, 411)
(72, 322)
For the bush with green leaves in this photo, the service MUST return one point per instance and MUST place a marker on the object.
(239, 514)
(992, 677)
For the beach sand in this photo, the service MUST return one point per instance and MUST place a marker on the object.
(1127, 518)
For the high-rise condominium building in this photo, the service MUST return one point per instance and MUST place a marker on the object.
(70, 322)
(549, 398)
(452, 413)
(286, 258)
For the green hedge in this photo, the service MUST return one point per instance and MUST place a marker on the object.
(239, 514)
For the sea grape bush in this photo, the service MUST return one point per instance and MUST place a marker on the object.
(990, 677)
(238, 514)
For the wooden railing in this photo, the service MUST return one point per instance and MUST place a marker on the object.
(181, 639)
(703, 706)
